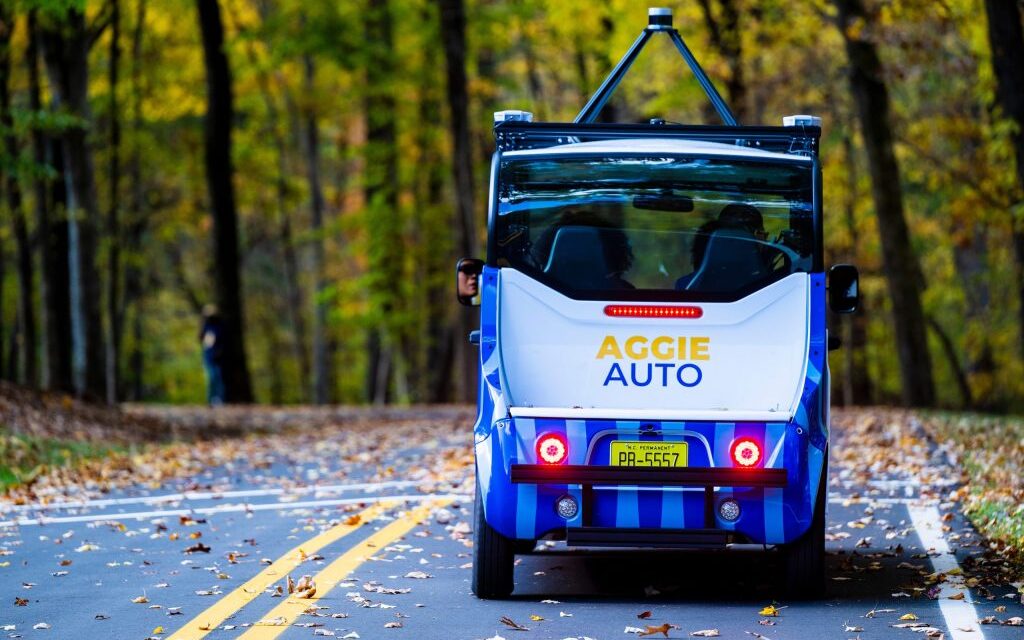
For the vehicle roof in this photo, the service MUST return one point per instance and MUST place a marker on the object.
(673, 146)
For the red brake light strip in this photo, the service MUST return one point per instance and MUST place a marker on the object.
(652, 311)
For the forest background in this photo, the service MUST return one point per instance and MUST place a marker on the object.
(315, 169)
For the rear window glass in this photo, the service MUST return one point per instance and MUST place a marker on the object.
(679, 228)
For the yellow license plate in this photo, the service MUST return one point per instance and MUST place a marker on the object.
(648, 454)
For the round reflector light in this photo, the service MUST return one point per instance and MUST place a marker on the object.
(729, 510)
(746, 452)
(567, 507)
(551, 449)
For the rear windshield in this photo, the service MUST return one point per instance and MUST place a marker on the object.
(654, 227)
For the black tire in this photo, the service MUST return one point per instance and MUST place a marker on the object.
(805, 558)
(523, 547)
(493, 558)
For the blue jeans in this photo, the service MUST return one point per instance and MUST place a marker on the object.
(214, 383)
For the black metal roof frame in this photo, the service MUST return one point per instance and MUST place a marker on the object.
(514, 135)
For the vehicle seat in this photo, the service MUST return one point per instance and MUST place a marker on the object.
(577, 258)
(731, 262)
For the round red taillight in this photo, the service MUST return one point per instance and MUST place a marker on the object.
(551, 449)
(746, 452)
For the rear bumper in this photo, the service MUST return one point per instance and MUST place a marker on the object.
(587, 476)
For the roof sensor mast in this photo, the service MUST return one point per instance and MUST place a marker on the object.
(658, 20)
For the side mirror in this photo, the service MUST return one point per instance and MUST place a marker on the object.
(467, 281)
(843, 288)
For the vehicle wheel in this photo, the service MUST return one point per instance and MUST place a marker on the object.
(522, 547)
(493, 558)
(805, 558)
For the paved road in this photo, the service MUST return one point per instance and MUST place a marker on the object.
(378, 515)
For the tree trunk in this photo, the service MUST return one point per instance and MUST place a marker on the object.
(26, 312)
(294, 298)
(65, 45)
(1006, 38)
(381, 177)
(949, 349)
(219, 173)
(137, 221)
(453, 35)
(323, 345)
(433, 220)
(52, 238)
(856, 381)
(903, 273)
(726, 36)
(113, 223)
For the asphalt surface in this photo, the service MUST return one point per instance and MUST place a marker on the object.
(117, 566)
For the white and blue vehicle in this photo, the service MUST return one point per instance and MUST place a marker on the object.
(653, 340)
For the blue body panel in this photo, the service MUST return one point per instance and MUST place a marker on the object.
(768, 515)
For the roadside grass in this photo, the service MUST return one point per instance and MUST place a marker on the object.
(990, 450)
(23, 458)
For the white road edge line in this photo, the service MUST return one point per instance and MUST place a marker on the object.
(317, 490)
(958, 614)
(229, 508)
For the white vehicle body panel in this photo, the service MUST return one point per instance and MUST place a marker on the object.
(749, 364)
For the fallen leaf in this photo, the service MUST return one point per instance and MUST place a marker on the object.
(418, 575)
(21, 602)
(644, 615)
(40, 626)
(198, 547)
(140, 600)
(393, 625)
(158, 631)
(662, 629)
(353, 520)
(509, 622)
(874, 612)
(909, 616)
(770, 610)
(706, 633)
(535, 618)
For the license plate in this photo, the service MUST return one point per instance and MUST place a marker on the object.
(648, 454)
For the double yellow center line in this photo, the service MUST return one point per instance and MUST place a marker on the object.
(290, 609)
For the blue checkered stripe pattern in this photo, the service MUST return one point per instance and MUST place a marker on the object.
(770, 516)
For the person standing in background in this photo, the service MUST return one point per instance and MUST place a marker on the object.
(211, 340)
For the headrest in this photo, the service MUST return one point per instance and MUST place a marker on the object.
(577, 258)
(732, 261)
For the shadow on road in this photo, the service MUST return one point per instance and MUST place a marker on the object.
(735, 574)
